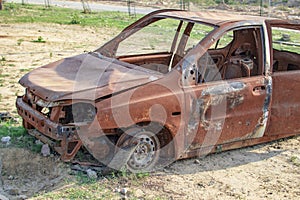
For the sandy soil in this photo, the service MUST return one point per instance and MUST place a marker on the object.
(269, 171)
(25, 173)
(18, 54)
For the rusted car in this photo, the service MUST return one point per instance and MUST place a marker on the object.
(173, 85)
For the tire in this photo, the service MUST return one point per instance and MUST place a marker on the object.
(146, 150)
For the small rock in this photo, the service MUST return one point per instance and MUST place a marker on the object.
(38, 142)
(139, 193)
(45, 150)
(22, 197)
(10, 177)
(286, 37)
(117, 190)
(197, 162)
(123, 197)
(77, 168)
(124, 191)
(91, 174)
(201, 185)
(3, 197)
(5, 116)
(5, 140)
(13, 192)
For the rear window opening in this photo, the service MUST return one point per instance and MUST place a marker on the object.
(286, 49)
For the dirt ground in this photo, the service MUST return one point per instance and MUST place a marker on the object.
(268, 171)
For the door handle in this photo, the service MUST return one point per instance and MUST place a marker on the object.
(258, 90)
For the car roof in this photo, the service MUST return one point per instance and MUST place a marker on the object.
(214, 18)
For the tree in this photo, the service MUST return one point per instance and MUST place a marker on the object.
(1, 7)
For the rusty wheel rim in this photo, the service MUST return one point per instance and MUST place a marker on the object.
(145, 153)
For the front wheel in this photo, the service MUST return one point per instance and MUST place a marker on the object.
(146, 151)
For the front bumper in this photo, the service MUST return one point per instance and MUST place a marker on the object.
(63, 139)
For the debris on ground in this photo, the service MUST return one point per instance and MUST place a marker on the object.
(6, 140)
(45, 151)
(122, 191)
(5, 116)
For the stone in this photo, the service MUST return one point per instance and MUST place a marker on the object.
(22, 197)
(45, 151)
(91, 174)
(38, 142)
(124, 191)
(139, 193)
(197, 162)
(286, 37)
(6, 139)
(3, 197)
(13, 191)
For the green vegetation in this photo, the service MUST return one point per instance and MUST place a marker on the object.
(9, 128)
(18, 13)
(96, 190)
(39, 40)
(2, 76)
(19, 42)
(293, 43)
(86, 188)
(295, 160)
(26, 70)
(18, 136)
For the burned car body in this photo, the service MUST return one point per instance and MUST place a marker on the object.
(173, 85)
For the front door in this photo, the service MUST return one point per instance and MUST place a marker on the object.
(228, 101)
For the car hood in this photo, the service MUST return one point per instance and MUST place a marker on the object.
(86, 76)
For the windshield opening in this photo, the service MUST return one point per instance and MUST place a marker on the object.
(158, 44)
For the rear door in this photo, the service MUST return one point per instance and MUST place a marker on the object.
(285, 109)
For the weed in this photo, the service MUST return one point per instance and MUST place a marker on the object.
(295, 161)
(26, 70)
(10, 6)
(19, 136)
(82, 178)
(19, 42)
(3, 59)
(9, 128)
(124, 172)
(283, 8)
(4, 75)
(0, 97)
(142, 174)
(75, 19)
(39, 40)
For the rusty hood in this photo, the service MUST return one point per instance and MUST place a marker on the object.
(86, 76)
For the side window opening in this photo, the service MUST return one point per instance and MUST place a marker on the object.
(286, 49)
(237, 54)
(224, 41)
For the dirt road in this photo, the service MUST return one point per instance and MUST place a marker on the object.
(269, 171)
(95, 6)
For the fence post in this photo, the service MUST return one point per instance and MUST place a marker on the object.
(130, 4)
